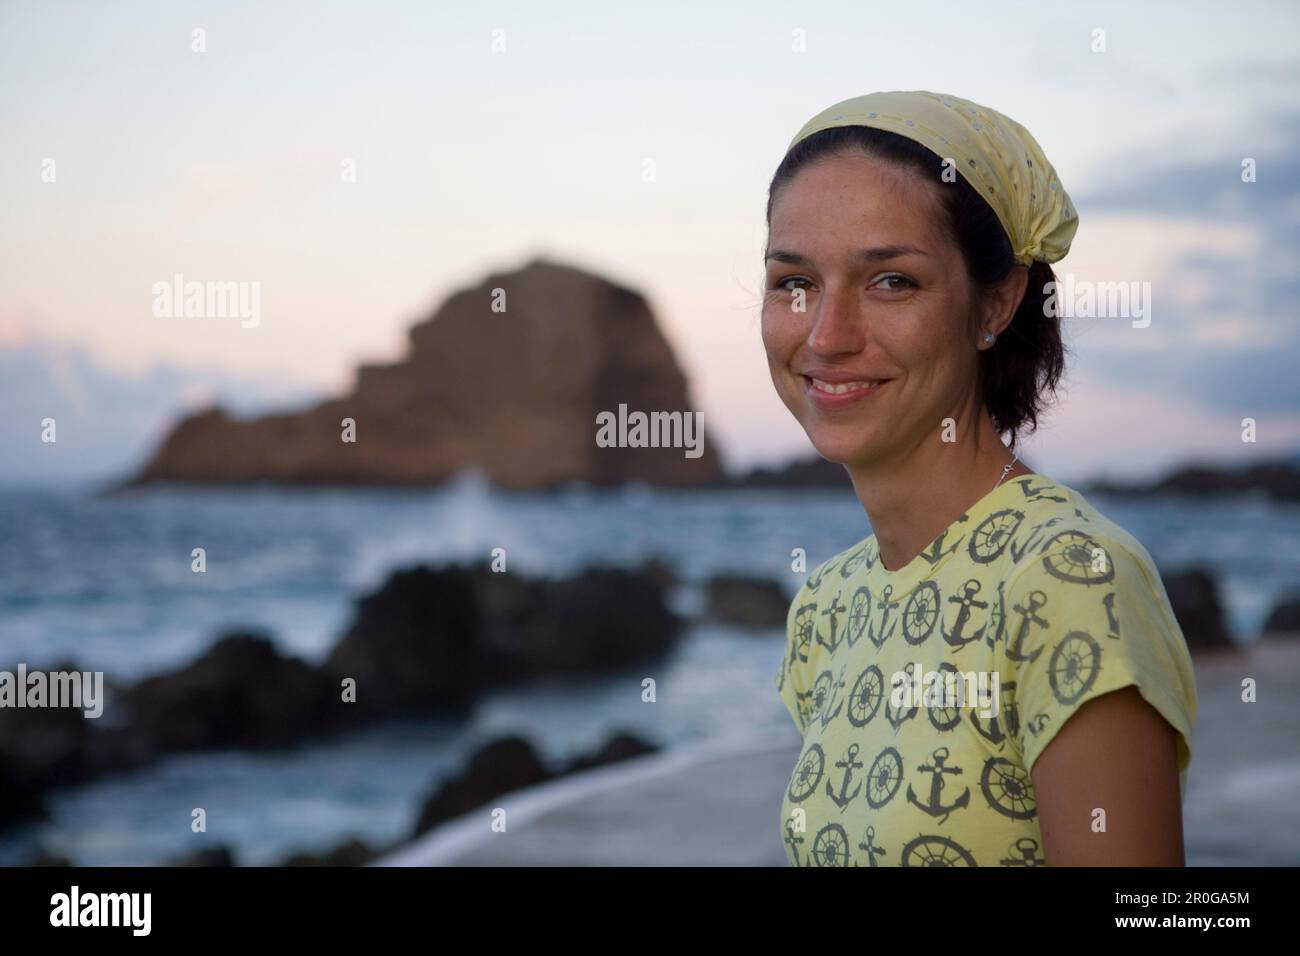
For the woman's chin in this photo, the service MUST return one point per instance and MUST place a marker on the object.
(840, 449)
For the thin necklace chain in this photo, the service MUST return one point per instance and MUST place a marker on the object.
(1006, 470)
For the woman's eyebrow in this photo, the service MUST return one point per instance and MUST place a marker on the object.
(877, 254)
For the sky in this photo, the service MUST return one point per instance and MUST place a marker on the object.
(482, 135)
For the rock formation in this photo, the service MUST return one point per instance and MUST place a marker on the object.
(515, 393)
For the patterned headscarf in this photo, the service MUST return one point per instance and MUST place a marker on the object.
(993, 153)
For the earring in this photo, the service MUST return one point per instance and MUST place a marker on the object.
(988, 336)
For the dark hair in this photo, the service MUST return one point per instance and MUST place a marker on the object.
(1028, 358)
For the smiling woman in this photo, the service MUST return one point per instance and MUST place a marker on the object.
(908, 327)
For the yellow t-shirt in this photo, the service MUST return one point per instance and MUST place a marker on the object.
(1034, 603)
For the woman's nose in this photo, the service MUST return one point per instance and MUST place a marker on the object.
(837, 324)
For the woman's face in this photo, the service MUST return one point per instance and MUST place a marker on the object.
(882, 351)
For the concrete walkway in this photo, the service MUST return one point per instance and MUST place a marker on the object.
(716, 803)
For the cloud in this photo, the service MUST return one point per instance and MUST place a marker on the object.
(1225, 256)
(106, 422)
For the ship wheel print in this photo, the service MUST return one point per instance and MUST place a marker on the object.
(1070, 556)
(1007, 788)
(936, 851)
(831, 846)
(859, 611)
(868, 692)
(1075, 664)
(884, 778)
(807, 774)
(921, 613)
(990, 539)
(945, 718)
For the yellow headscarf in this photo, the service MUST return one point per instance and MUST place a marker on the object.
(993, 153)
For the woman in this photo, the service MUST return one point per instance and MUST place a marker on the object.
(994, 676)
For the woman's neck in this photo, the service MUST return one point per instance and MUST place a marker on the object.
(908, 505)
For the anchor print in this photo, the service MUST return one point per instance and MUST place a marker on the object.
(793, 840)
(935, 552)
(848, 765)
(1038, 724)
(882, 633)
(1027, 847)
(833, 613)
(805, 626)
(1009, 706)
(827, 691)
(921, 613)
(991, 729)
(1038, 492)
(997, 619)
(869, 844)
(1112, 622)
(856, 560)
(898, 718)
(1033, 539)
(815, 579)
(1028, 615)
(859, 612)
(937, 769)
(966, 600)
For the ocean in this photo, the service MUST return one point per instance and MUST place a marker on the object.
(107, 582)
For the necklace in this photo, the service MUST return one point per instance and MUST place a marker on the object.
(1006, 469)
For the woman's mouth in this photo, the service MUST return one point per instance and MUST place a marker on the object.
(840, 393)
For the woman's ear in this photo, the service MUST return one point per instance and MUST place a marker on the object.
(1001, 303)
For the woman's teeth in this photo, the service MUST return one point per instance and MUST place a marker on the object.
(840, 388)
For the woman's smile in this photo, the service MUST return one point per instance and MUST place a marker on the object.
(833, 390)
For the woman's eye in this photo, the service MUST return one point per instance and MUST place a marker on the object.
(783, 284)
(895, 277)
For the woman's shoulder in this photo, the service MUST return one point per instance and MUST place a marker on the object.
(1066, 538)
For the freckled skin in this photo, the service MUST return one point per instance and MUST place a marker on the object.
(855, 320)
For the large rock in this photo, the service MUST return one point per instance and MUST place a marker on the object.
(1284, 619)
(434, 639)
(513, 393)
(508, 764)
(749, 602)
(501, 766)
(414, 644)
(241, 693)
(1194, 597)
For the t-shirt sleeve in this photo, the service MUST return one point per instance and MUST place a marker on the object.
(1086, 616)
(788, 674)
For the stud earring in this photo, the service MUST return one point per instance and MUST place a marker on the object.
(988, 336)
